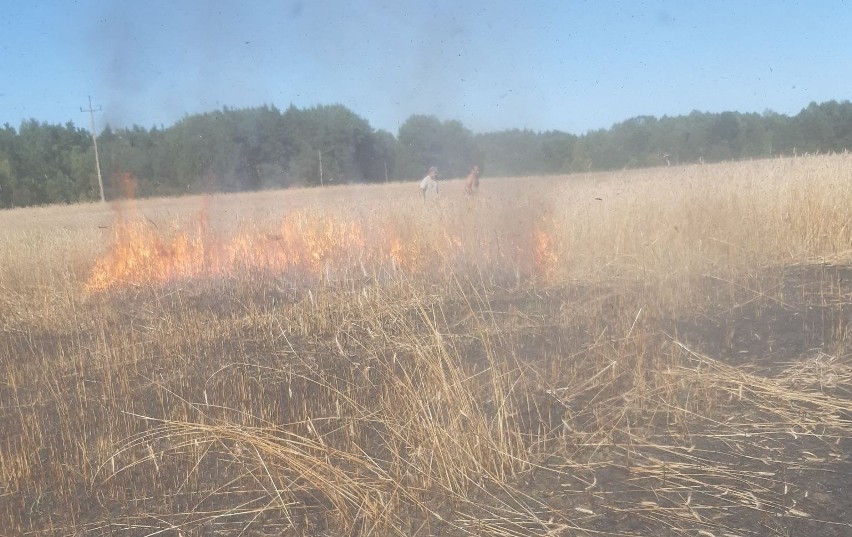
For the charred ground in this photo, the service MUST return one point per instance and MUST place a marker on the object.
(732, 418)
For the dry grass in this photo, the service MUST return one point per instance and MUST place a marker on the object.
(644, 352)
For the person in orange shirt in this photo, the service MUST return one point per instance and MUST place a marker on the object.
(471, 185)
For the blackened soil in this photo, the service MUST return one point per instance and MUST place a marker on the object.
(611, 457)
(805, 310)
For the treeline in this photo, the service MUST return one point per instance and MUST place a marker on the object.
(258, 148)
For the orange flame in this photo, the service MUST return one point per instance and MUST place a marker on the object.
(139, 255)
(305, 244)
(405, 254)
(544, 252)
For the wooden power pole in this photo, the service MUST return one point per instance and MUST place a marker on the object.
(91, 112)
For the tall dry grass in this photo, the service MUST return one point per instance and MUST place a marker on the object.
(505, 365)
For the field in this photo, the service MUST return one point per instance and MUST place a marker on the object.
(654, 352)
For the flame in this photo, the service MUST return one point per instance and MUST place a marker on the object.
(140, 255)
(306, 244)
(544, 251)
(405, 254)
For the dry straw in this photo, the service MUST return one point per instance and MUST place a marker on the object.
(590, 354)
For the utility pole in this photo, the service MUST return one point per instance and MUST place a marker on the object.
(91, 112)
(319, 152)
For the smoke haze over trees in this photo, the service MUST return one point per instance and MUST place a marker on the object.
(259, 148)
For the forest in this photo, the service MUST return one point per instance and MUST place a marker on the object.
(231, 150)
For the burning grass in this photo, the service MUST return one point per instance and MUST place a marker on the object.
(655, 352)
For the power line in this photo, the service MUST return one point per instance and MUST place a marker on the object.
(91, 112)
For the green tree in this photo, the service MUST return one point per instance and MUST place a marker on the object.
(426, 141)
(8, 141)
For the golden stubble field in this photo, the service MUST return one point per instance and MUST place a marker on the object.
(654, 352)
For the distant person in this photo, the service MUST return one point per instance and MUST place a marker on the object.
(471, 185)
(429, 184)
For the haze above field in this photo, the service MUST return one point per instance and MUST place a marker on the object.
(570, 66)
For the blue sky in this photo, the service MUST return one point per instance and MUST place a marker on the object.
(566, 65)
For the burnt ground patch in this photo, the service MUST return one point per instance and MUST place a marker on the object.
(801, 311)
(766, 452)
(732, 419)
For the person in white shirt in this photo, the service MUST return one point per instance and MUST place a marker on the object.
(429, 183)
